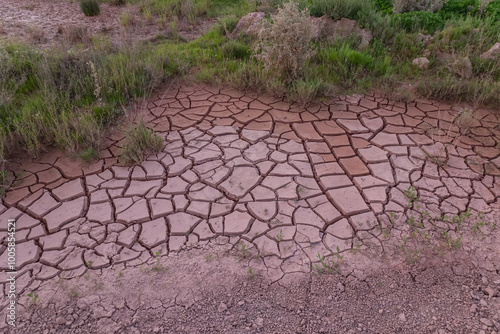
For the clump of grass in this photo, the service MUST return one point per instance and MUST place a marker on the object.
(127, 18)
(148, 16)
(118, 2)
(139, 143)
(88, 155)
(337, 9)
(74, 34)
(90, 7)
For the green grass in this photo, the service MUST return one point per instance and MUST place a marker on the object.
(139, 143)
(62, 98)
(90, 7)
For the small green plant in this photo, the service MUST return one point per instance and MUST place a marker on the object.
(89, 264)
(73, 292)
(34, 298)
(329, 267)
(158, 267)
(209, 257)
(120, 273)
(243, 252)
(139, 143)
(279, 237)
(411, 195)
(251, 273)
(89, 155)
(90, 7)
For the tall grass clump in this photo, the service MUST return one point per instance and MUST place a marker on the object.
(139, 143)
(67, 99)
(90, 7)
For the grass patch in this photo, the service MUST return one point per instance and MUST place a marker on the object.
(90, 7)
(62, 98)
(139, 143)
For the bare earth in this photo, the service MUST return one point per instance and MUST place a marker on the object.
(38, 22)
(221, 231)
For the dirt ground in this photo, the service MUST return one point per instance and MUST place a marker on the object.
(41, 22)
(194, 292)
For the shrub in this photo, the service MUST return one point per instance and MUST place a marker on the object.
(403, 6)
(283, 46)
(337, 9)
(493, 10)
(139, 143)
(90, 7)
(385, 6)
(458, 7)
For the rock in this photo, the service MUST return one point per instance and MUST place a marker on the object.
(490, 292)
(424, 38)
(486, 322)
(492, 53)
(473, 308)
(326, 28)
(248, 25)
(222, 307)
(402, 317)
(259, 322)
(422, 63)
(60, 320)
(340, 287)
(462, 67)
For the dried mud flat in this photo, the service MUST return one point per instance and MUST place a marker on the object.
(220, 232)
(40, 22)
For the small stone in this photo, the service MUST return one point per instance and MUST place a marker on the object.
(222, 307)
(422, 63)
(473, 308)
(486, 322)
(402, 317)
(60, 321)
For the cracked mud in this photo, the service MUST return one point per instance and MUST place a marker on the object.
(254, 174)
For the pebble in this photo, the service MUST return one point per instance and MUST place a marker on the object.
(60, 320)
(222, 307)
(402, 317)
(486, 322)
